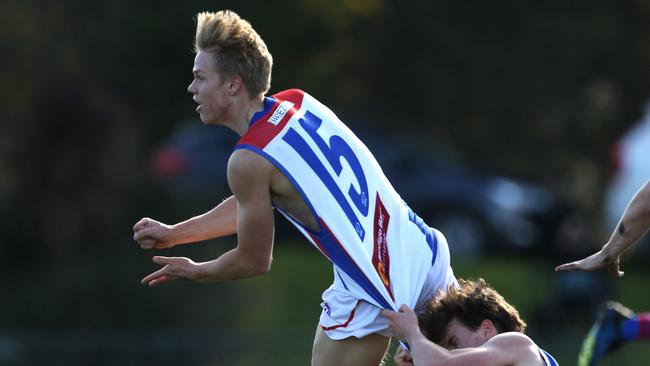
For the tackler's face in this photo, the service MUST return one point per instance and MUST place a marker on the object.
(209, 90)
(459, 335)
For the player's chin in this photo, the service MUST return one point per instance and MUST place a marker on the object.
(204, 119)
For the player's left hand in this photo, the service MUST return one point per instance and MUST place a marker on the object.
(594, 262)
(404, 323)
(173, 268)
(403, 357)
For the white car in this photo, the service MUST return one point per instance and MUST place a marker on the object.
(632, 163)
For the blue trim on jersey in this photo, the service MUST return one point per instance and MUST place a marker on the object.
(341, 278)
(342, 259)
(292, 219)
(429, 235)
(331, 246)
(268, 103)
(548, 359)
(433, 244)
(631, 329)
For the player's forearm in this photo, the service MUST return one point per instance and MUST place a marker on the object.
(632, 225)
(425, 352)
(218, 222)
(230, 266)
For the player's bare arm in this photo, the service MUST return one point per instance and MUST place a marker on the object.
(512, 348)
(219, 221)
(248, 175)
(502, 350)
(634, 222)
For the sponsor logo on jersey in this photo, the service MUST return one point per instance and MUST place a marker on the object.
(380, 257)
(279, 113)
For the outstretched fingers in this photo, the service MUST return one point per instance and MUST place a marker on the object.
(164, 274)
(593, 263)
(156, 277)
(164, 260)
(567, 267)
(161, 279)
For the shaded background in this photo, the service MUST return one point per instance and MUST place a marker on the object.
(92, 92)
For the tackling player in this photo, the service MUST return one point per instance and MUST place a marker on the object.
(472, 325)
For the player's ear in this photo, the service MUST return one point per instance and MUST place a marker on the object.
(234, 84)
(488, 330)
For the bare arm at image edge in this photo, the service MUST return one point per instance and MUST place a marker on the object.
(634, 222)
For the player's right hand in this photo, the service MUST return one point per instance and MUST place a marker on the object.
(173, 268)
(403, 323)
(594, 262)
(152, 234)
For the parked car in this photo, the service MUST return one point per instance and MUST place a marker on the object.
(192, 161)
(476, 212)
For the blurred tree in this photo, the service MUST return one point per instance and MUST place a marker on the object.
(533, 90)
(88, 89)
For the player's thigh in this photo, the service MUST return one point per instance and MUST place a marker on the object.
(352, 351)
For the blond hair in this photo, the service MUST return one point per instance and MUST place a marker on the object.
(237, 49)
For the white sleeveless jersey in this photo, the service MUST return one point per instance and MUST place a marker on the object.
(381, 250)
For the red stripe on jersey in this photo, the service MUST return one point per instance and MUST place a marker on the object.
(293, 95)
(347, 322)
(644, 326)
(262, 132)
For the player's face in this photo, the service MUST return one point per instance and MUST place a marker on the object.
(460, 336)
(209, 90)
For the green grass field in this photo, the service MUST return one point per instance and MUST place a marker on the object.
(98, 309)
(525, 282)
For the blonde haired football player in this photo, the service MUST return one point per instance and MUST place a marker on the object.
(295, 156)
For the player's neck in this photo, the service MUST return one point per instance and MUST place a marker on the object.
(243, 109)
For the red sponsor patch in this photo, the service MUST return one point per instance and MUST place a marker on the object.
(380, 257)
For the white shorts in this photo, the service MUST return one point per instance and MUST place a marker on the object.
(344, 315)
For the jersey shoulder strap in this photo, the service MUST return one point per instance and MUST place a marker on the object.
(548, 359)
